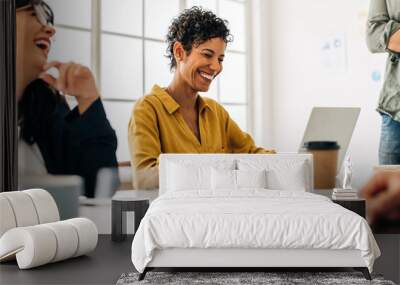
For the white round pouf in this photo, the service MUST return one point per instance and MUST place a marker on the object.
(87, 233)
(23, 207)
(6, 216)
(67, 240)
(30, 230)
(45, 205)
(33, 246)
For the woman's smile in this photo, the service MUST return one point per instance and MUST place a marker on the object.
(44, 44)
(207, 76)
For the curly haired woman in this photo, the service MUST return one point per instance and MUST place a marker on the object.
(176, 119)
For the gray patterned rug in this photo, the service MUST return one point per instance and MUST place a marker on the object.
(242, 278)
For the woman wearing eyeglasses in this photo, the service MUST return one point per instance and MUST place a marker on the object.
(53, 138)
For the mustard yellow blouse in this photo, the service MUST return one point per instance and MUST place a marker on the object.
(157, 126)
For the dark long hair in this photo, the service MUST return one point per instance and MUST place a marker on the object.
(36, 109)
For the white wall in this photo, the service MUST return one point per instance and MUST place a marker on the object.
(260, 82)
(300, 80)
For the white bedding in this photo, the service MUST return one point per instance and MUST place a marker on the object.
(251, 218)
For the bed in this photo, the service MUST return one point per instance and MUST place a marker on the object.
(247, 211)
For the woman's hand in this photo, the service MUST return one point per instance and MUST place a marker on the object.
(75, 80)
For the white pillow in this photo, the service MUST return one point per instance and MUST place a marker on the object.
(182, 177)
(282, 174)
(223, 179)
(293, 179)
(186, 175)
(251, 178)
(237, 179)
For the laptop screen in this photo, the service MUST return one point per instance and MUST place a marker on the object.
(332, 124)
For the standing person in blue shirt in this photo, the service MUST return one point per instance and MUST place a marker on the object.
(57, 140)
(383, 35)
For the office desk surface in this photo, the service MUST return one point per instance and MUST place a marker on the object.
(102, 266)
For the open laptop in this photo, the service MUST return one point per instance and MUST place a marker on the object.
(332, 124)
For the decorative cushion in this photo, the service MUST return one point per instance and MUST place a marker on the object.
(236, 179)
(282, 174)
(223, 179)
(183, 178)
(184, 175)
(285, 177)
(252, 178)
(37, 245)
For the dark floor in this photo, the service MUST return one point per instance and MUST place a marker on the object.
(102, 266)
(110, 259)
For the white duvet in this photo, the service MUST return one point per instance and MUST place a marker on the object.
(251, 218)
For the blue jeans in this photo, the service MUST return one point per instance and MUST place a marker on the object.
(389, 147)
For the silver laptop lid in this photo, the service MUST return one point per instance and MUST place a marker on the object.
(332, 124)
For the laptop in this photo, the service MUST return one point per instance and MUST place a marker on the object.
(332, 124)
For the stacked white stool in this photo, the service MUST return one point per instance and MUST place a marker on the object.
(31, 230)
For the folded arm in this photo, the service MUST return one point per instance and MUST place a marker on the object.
(383, 33)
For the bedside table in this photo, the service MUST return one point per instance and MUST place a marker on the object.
(356, 205)
(123, 201)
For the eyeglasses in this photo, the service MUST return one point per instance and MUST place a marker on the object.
(43, 11)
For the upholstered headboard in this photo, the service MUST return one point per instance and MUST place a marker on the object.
(276, 162)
